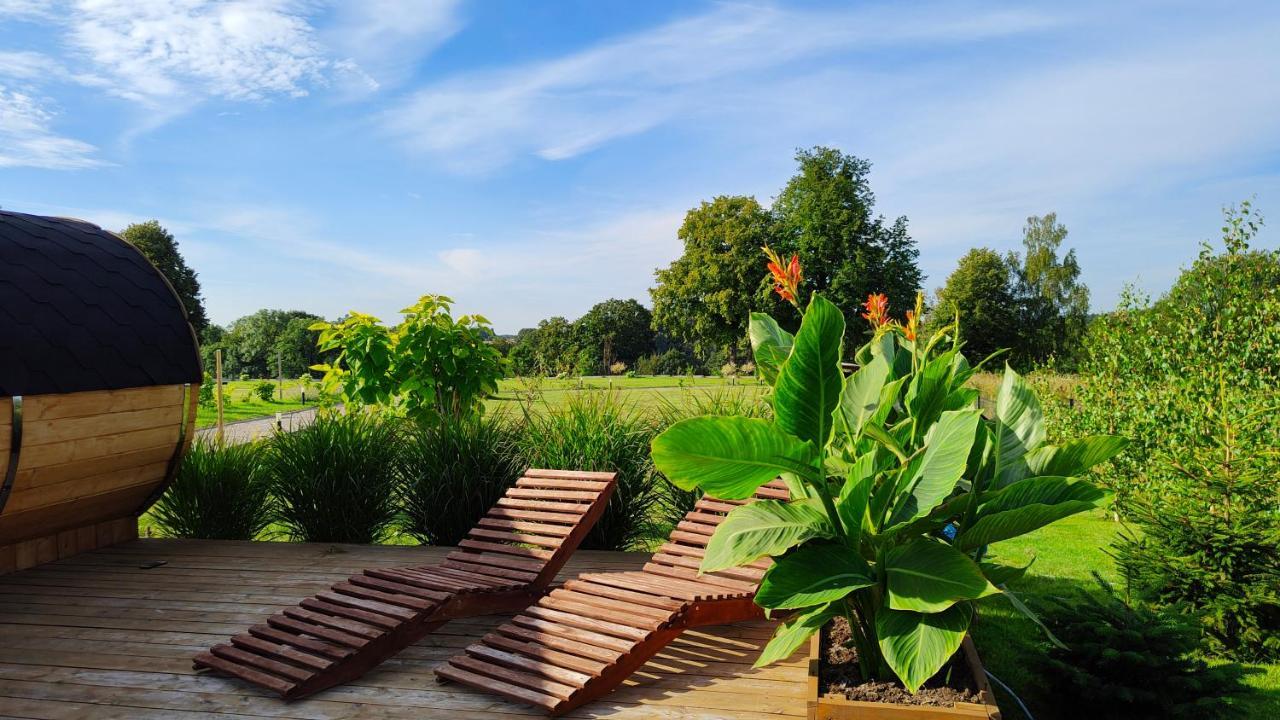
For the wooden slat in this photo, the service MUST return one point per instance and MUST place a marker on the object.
(508, 513)
(397, 604)
(544, 653)
(256, 677)
(542, 506)
(320, 620)
(557, 642)
(278, 650)
(573, 633)
(589, 486)
(661, 602)
(435, 597)
(327, 606)
(314, 629)
(544, 529)
(516, 537)
(542, 612)
(336, 652)
(71, 405)
(618, 608)
(497, 560)
(108, 421)
(266, 664)
(513, 677)
(553, 495)
(519, 694)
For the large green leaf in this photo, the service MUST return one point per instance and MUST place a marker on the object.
(729, 457)
(917, 645)
(933, 474)
(809, 384)
(1019, 426)
(812, 574)
(765, 527)
(861, 397)
(770, 345)
(792, 634)
(1076, 457)
(1028, 505)
(855, 494)
(928, 576)
(929, 388)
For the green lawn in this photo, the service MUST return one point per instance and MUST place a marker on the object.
(1065, 553)
(643, 393)
(242, 404)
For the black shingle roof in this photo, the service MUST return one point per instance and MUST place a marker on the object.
(81, 309)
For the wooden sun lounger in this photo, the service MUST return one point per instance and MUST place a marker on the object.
(581, 641)
(505, 563)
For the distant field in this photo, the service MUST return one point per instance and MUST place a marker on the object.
(644, 393)
(242, 404)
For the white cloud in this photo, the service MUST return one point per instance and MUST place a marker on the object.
(563, 107)
(155, 50)
(27, 140)
(386, 38)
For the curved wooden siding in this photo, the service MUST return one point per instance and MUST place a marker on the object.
(90, 457)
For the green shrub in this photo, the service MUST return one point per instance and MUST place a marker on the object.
(219, 493)
(455, 471)
(206, 398)
(1208, 533)
(265, 390)
(429, 366)
(1151, 368)
(1130, 663)
(335, 479)
(646, 365)
(597, 430)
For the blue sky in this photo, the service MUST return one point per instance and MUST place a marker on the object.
(531, 159)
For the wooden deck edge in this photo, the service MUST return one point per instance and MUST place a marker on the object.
(46, 549)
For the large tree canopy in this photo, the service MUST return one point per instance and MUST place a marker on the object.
(825, 215)
(703, 298)
(160, 247)
(616, 331)
(1055, 302)
(981, 292)
(253, 344)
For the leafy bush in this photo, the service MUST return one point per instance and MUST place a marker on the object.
(617, 368)
(647, 365)
(1208, 534)
(335, 479)
(219, 493)
(206, 397)
(428, 367)
(597, 430)
(1122, 662)
(265, 390)
(1151, 368)
(898, 485)
(453, 472)
(729, 369)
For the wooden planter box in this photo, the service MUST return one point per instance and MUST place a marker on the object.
(830, 707)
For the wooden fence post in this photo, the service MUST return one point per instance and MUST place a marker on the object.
(217, 388)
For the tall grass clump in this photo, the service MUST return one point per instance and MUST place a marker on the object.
(453, 471)
(597, 430)
(219, 493)
(674, 503)
(335, 480)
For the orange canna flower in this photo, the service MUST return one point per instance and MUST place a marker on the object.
(877, 306)
(786, 276)
(909, 330)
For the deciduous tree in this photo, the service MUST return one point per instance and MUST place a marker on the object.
(160, 247)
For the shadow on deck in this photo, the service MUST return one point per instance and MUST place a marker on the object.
(96, 636)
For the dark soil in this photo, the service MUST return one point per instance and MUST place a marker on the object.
(838, 674)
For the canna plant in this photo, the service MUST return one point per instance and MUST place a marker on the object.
(898, 484)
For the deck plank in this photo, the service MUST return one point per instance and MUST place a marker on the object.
(95, 636)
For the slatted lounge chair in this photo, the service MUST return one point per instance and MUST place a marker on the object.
(581, 641)
(505, 563)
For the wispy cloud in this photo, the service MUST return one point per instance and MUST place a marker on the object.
(27, 138)
(563, 107)
(385, 39)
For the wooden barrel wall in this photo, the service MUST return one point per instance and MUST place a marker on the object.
(91, 457)
(99, 379)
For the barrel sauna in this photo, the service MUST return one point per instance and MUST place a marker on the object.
(99, 379)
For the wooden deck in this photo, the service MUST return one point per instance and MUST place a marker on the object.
(95, 636)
